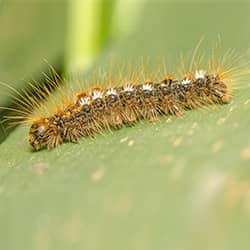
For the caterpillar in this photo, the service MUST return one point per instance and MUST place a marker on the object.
(88, 111)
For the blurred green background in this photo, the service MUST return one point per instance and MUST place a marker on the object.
(182, 183)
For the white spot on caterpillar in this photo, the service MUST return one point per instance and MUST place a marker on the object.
(186, 81)
(84, 100)
(147, 86)
(128, 87)
(111, 91)
(200, 74)
(97, 94)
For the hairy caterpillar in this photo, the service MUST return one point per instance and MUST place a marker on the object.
(88, 111)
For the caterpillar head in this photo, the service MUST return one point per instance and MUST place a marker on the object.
(37, 133)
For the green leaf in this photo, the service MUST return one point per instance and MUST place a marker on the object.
(31, 34)
(181, 183)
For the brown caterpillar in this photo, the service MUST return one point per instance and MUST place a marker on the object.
(113, 107)
(87, 112)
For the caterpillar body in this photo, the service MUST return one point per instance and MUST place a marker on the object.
(88, 111)
(113, 107)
